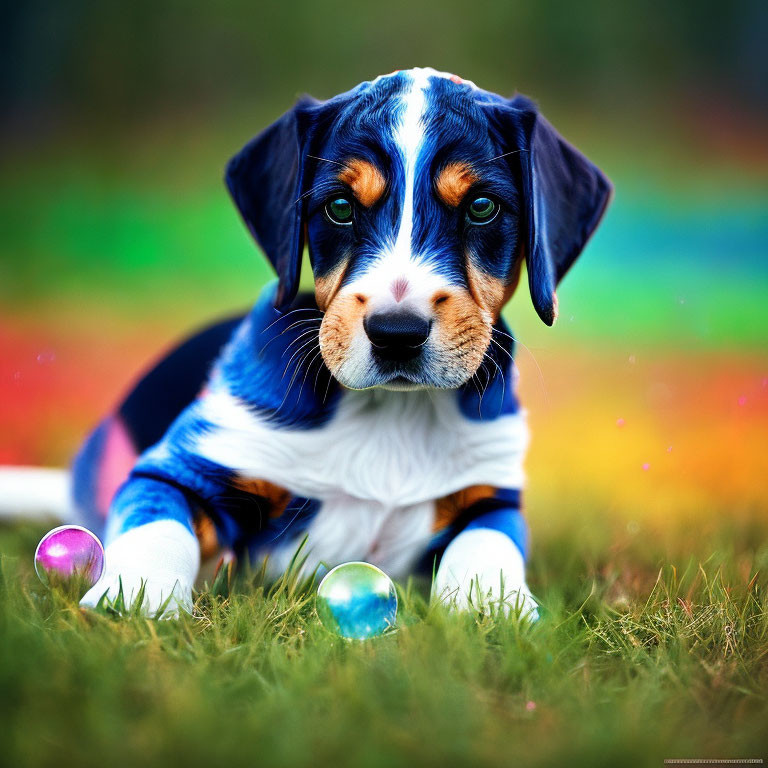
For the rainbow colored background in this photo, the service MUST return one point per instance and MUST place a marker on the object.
(648, 400)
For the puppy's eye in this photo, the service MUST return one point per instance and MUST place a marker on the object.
(339, 210)
(482, 210)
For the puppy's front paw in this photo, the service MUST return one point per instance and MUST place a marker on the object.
(161, 597)
(483, 570)
(156, 563)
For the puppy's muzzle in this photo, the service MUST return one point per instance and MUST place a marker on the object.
(397, 336)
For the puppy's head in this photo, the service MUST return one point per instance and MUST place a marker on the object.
(419, 196)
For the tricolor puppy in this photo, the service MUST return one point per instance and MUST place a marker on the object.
(377, 416)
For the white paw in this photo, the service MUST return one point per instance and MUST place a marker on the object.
(483, 570)
(163, 598)
(162, 558)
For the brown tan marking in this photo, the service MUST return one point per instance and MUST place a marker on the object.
(326, 286)
(463, 328)
(274, 495)
(342, 319)
(206, 534)
(364, 179)
(490, 292)
(453, 182)
(450, 507)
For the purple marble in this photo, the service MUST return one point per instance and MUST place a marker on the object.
(67, 551)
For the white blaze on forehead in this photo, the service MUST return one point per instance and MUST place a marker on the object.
(409, 137)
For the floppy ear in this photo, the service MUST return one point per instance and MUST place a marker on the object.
(565, 196)
(266, 180)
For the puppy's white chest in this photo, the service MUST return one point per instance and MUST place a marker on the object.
(394, 449)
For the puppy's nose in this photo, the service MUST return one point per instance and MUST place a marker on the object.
(397, 336)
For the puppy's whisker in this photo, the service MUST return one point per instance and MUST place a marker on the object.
(303, 344)
(274, 338)
(306, 194)
(317, 354)
(289, 523)
(327, 387)
(303, 322)
(476, 382)
(532, 356)
(483, 388)
(296, 370)
(319, 371)
(498, 367)
(293, 312)
(236, 502)
(298, 352)
(306, 350)
(301, 337)
(317, 186)
(307, 321)
(299, 366)
(498, 330)
(503, 382)
(304, 332)
(506, 154)
(503, 349)
(473, 379)
(326, 160)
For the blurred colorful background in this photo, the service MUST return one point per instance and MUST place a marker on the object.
(649, 398)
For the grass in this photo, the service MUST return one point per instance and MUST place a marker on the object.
(643, 652)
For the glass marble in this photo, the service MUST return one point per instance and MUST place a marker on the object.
(69, 551)
(357, 601)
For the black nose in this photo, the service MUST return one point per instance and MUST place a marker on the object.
(397, 336)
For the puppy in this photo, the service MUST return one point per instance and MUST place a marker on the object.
(378, 416)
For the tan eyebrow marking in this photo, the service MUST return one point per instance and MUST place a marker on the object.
(453, 182)
(365, 180)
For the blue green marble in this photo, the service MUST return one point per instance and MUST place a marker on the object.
(357, 601)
